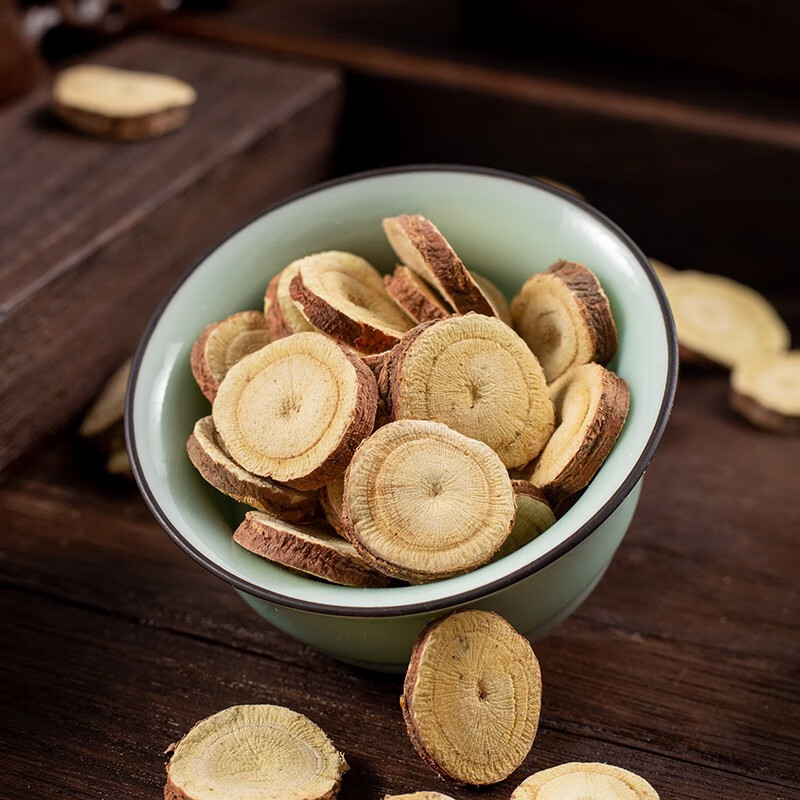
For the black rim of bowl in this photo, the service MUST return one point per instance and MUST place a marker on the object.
(572, 541)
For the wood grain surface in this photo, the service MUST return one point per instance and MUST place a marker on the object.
(93, 233)
(682, 666)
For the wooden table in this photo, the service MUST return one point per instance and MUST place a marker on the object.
(683, 665)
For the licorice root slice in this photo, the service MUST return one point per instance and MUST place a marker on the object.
(343, 295)
(213, 463)
(591, 407)
(476, 375)
(564, 317)
(254, 751)
(414, 296)
(296, 410)
(222, 344)
(472, 696)
(313, 549)
(423, 502)
(766, 391)
(331, 499)
(108, 409)
(119, 103)
(534, 517)
(418, 796)
(495, 297)
(661, 269)
(722, 321)
(283, 315)
(585, 781)
(420, 246)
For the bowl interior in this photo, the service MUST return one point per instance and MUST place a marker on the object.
(502, 227)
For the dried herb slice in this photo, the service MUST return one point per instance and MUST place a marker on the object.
(216, 466)
(331, 498)
(107, 411)
(766, 391)
(418, 796)
(263, 751)
(420, 246)
(283, 315)
(472, 696)
(584, 781)
(414, 296)
(119, 103)
(722, 321)
(476, 375)
(534, 517)
(423, 502)
(661, 269)
(296, 410)
(495, 297)
(343, 295)
(313, 549)
(564, 317)
(222, 344)
(591, 407)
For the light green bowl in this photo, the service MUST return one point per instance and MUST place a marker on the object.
(503, 226)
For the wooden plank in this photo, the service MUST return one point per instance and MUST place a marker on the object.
(91, 227)
(681, 665)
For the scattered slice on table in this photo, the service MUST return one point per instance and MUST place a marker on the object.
(564, 317)
(766, 391)
(423, 502)
(314, 549)
(121, 104)
(722, 321)
(418, 796)
(420, 246)
(496, 298)
(222, 344)
(414, 296)
(108, 409)
(579, 781)
(591, 406)
(476, 375)
(331, 498)
(263, 751)
(213, 463)
(296, 410)
(283, 315)
(472, 696)
(662, 270)
(118, 463)
(534, 517)
(344, 296)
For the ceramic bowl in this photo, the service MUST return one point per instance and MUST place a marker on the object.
(504, 226)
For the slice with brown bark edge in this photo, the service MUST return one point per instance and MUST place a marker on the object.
(343, 295)
(472, 696)
(263, 751)
(331, 498)
(222, 344)
(418, 796)
(314, 549)
(422, 502)
(495, 297)
(534, 517)
(722, 321)
(296, 410)
(215, 465)
(476, 375)
(283, 315)
(564, 317)
(579, 781)
(419, 245)
(766, 391)
(119, 103)
(414, 296)
(591, 407)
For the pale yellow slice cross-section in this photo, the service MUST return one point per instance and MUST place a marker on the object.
(585, 781)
